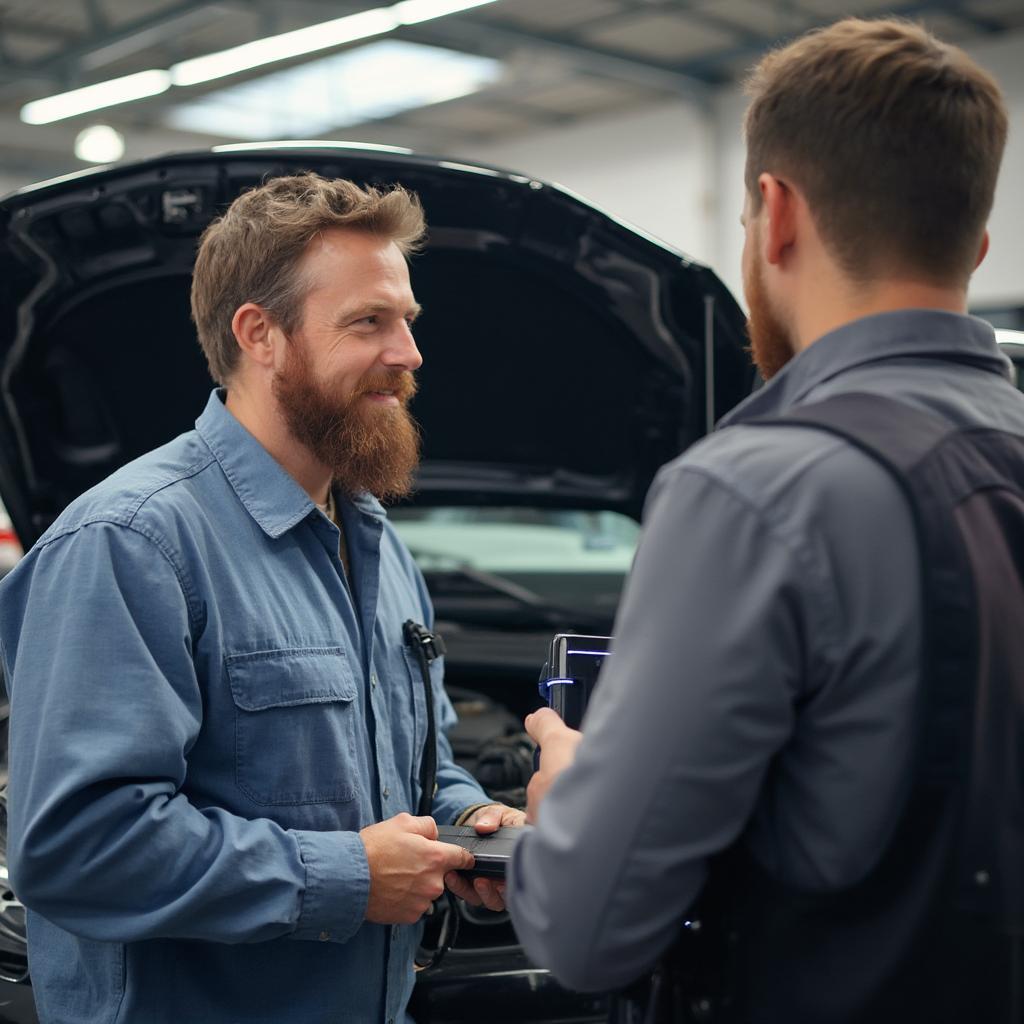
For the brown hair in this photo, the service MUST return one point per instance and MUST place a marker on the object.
(893, 137)
(252, 252)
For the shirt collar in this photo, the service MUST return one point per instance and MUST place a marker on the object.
(903, 334)
(269, 493)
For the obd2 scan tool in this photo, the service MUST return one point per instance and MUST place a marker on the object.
(570, 674)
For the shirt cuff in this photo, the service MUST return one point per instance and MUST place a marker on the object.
(470, 810)
(452, 800)
(337, 885)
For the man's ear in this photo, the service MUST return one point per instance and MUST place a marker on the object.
(982, 250)
(252, 329)
(779, 217)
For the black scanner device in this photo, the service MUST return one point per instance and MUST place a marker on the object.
(492, 850)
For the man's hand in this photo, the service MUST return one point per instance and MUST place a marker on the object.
(407, 867)
(485, 892)
(558, 745)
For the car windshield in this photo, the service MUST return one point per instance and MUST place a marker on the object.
(570, 559)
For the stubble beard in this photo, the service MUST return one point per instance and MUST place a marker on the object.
(771, 343)
(368, 447)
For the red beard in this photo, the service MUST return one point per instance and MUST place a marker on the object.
(771, 346)
(367, 447)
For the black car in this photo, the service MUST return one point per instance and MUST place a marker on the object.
(566, 357)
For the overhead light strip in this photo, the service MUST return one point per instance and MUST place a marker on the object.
(413, 12)
(260, 52)
(95, 97)
(285, 46)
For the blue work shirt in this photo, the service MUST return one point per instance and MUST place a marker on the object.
(766, 667)
(203, 715)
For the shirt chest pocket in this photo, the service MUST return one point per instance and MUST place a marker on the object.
(295, 725)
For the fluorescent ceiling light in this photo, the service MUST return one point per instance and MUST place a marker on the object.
(374, 81)
(412, 12)
(99, 144)
(284, 46)
(323, 36)
(95, 97)
(287, 45)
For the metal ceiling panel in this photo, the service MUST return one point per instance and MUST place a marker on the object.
(122, 12)
(663, 37)
(61, 16)
(31, 45)
(585, 95)
(552, 15)
(770, 20)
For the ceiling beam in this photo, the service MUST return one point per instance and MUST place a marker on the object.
(66, 67)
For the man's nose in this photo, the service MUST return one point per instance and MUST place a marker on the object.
(401, 350)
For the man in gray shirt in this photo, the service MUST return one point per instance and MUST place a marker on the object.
(767, 648)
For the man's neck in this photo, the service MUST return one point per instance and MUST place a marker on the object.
(832, 307)
(264, 422)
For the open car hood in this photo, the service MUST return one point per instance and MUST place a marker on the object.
(566, 355)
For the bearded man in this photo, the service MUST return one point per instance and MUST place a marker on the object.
(217, 729)
(786, 775)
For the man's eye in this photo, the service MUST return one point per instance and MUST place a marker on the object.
(370, 321)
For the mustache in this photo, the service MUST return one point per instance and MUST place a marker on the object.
(401, 382)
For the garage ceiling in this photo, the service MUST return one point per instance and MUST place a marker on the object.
(560, 61)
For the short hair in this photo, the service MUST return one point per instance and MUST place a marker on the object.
(894, 138)
(252, 252)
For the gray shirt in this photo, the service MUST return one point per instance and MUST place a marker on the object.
(765, 661)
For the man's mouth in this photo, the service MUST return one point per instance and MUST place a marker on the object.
(388, 388)
(387, 396)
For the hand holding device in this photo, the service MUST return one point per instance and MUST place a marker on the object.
(407, 867)
(557, 745)
(571, 673)
(485, 884)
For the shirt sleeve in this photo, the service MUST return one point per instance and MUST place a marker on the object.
(98, 628)
(692, 705)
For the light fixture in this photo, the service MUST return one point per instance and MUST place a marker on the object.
(282, 47)
(412, 12)
(323, 36)
(327, 34)
(376, 80)
(99, 144)
(95, 97)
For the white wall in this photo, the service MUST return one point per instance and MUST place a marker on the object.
(678, 173)
(1000, 279)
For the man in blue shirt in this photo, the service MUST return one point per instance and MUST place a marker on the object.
(763, 694)
(216, 729)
